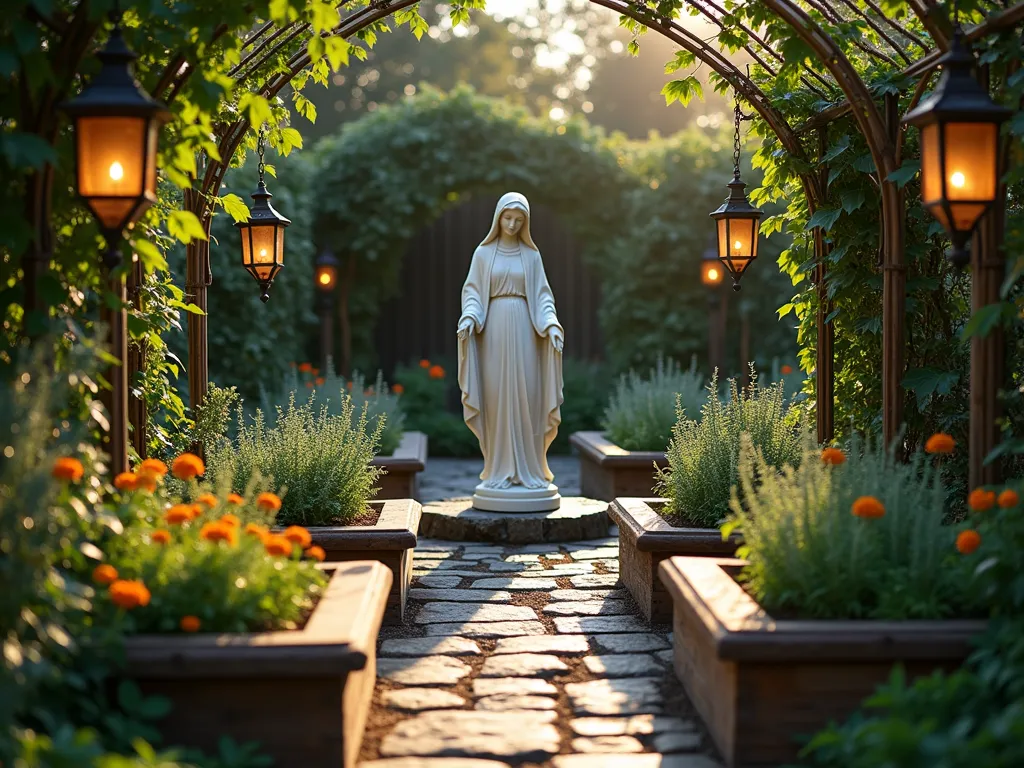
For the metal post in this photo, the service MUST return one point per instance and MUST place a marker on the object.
(137, 412)
(824, 368)
(116, 398)
(894, 284)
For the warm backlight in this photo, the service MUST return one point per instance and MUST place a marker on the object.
(957, 179)
(737, 245)
(713, 274)
(116, 171)
(325, 278)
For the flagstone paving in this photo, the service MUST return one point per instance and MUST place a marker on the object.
(529, 656)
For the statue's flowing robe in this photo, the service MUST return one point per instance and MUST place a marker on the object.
(508, 365)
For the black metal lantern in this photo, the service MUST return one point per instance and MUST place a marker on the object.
(737, 219)
(326, 271)
(263, 234)
(117, 125)
(959, 128)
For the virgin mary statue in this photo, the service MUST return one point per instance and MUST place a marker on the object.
(510, 364)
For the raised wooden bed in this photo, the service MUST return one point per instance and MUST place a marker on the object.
(645, 539)
(304, 695)
(391, 542)
(762, 685)
(608, 471)
(402, 468)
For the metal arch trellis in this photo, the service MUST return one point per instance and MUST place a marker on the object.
(880, 130)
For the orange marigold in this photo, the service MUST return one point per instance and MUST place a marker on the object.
(153, 467)
(368, 392)
(268, 502)
(298, 535)
(178, 514)
(146, 481)
(256, 530)
(436, 372)
(348, 386)
(277, 545)
(187, 466)
(129, 594)
(305, 367)
(1008, 498)
(208, 499)
(197, 510)
(160, 536)
(786, 370)
(126, 481)
(868, 507)
(219, 532)
(424, 363)
(940, 443)
(398, 389)
(236, 499)
(833, 456)
(981, 500)
(317, 553)
(309, 385)
(230, 519)
(189, 623)
(315, 371)
(68, 469)
(104, 574)
(967, 541)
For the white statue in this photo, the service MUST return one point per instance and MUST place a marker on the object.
(510, 364)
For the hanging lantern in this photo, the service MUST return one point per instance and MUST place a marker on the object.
(326, 274)
(737, 219)
(263, 234)
(117, 125)
(959, 129)
(711, 271)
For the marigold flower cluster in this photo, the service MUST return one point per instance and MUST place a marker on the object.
(940, 443)
(833, 456)
(268, 502)
(68, 469)
(868, 507)
(981, 500)
(187, 466)
(129, 594)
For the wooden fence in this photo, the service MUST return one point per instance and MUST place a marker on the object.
(420, 321)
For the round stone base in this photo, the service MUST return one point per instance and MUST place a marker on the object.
(576, 519)
(517, 499)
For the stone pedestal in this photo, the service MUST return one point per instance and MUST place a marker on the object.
(576, 519)
(516, 498)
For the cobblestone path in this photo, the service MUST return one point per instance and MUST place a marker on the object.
(530, 656)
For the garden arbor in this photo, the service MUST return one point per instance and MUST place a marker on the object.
(834, 78)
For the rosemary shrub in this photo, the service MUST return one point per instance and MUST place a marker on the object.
(330, 389)
(703, 456)
(320, 460)
(812, 551)
(641, 412)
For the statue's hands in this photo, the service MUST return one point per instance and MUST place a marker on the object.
(557, 340)
(465, 328)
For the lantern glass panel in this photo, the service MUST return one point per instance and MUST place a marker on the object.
(152, 139)
(971, 151)
(110, 157)
(737, 239)
(931, 169)
(261, 256)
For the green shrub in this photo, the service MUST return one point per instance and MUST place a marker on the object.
(379, 401)
(814, 549)
(703, 456)
(425, 402)
(320, 460)
(642, 412)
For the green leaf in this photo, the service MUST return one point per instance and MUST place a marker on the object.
(325, 16)
(257, 107)
(837, 149)
(865, 163)
(682, 90)
(316, 47)
(337, 54)
(985, 319)
(185, 227)
(904, 173)
(852, 200)
(682, 60)
(926, 382)
(824, 218)
(152, 258)
(154, 707)
(25, 150)
(235, 207)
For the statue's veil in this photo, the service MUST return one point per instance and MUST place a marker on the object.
(520, 203)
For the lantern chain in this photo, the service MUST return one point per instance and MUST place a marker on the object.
(736, 143)
(259, 151)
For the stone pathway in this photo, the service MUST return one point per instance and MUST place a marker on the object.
(529, 656)
(449, 478)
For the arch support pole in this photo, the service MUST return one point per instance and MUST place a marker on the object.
(197, 280)
(824, 372)
(894, 289)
